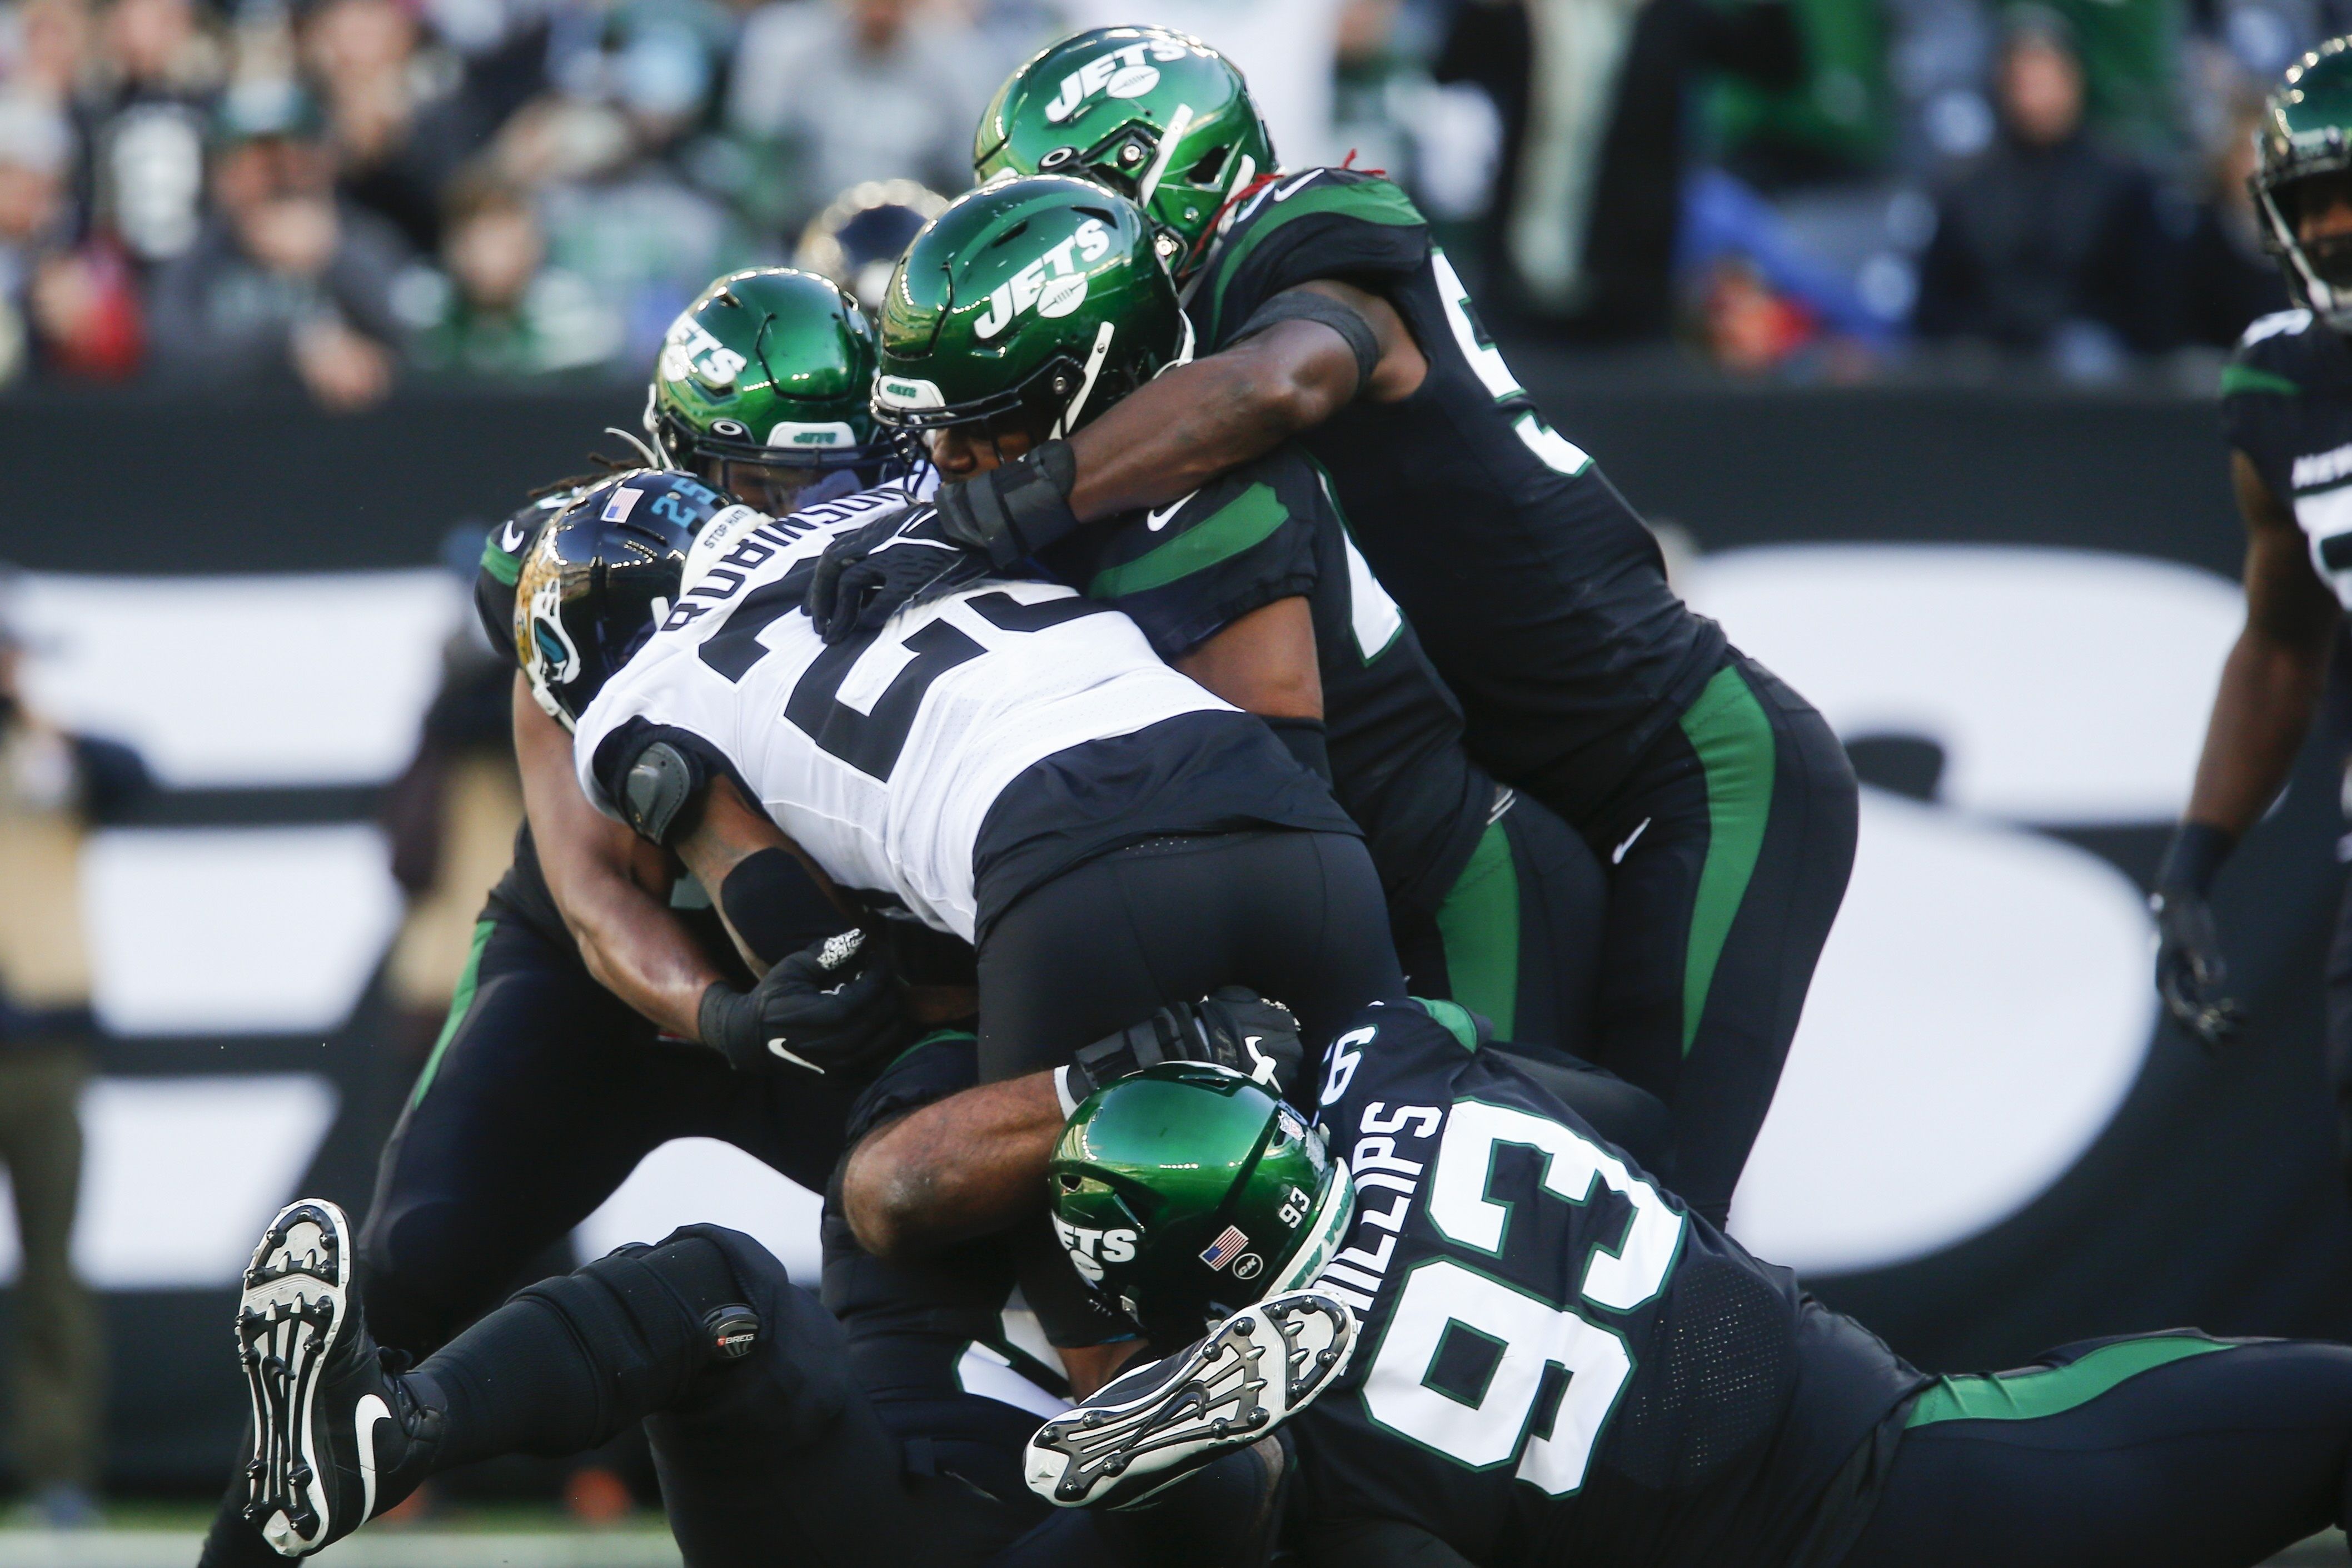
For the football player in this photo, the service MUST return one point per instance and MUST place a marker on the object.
(595, 1021)
(1560, 1362)
(1490, 1335)
(2287, 407)
(1721, 802)
(1250, 585)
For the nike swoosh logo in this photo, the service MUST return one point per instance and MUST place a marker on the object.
(776, 1048)
(370, 1410)
(1283, 194)
(1157, 520)
(1619, 858)
(511, 538)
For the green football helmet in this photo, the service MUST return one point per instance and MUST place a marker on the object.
(1189, 1187)
(761, 388)
(1150, 112)
(1039, 300)
(2306, 133)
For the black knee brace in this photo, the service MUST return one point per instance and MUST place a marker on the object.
(651, 1320)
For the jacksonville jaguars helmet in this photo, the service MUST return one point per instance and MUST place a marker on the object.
(601, 577)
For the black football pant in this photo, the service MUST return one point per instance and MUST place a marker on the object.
(1727, 849)
(1296, 917)
(541, 1096)
(1517, 938)
(2159, 1451)
(543, 1093)
(778, 1457)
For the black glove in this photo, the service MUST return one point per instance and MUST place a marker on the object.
(833, 1007)
(1232, 1026)
(869, 572)
(2189, 970)
(992, 520)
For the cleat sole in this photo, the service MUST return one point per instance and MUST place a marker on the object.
(288, 1323)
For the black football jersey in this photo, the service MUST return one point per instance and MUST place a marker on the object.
(1538, 591)
(1559, 1362)
(1267, 530)
(2286, 404)
(522, 892)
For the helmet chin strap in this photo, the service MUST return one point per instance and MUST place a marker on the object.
(1071, 409)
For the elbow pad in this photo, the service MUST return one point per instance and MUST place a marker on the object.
(659, 790)
(1306, 304)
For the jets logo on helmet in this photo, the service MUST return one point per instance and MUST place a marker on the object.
(1089, 1250)
(1148, 112)
(1122, 73)
(1053, 283)
(689, 351)
(1039, 296)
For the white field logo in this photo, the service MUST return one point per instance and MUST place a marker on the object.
(1121, 73)
(1051, 283)
(688, 349)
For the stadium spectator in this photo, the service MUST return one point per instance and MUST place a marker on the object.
(66, 308)
(631, 183)
(144, 122)
(494, 308)
(1591, 95)
(53, 786)
(2045, 241)
(285, 278)
(2227, 279)
(846, 90)
(49, 57)
(397, 131)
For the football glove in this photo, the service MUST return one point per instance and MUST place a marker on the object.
(2191, 974)
(867, 573)
(994, 518)
(831, 1007)
(1232, 1026)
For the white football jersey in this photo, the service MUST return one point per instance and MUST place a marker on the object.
(881, 755)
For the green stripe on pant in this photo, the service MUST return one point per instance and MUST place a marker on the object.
(2039, 1391)
(1727, 729)
(459, 1003)
(1479, 925)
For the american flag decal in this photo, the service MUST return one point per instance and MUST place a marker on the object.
(1220, 1251)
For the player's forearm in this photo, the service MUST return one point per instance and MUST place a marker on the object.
(964, 1166)
(635, 948)
(1195, 422)
(2263, 709)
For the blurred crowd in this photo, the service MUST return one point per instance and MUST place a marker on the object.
(353, 193)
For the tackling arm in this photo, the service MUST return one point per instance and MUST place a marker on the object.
(610, 887)
(959, 1167)
(1188, 427)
